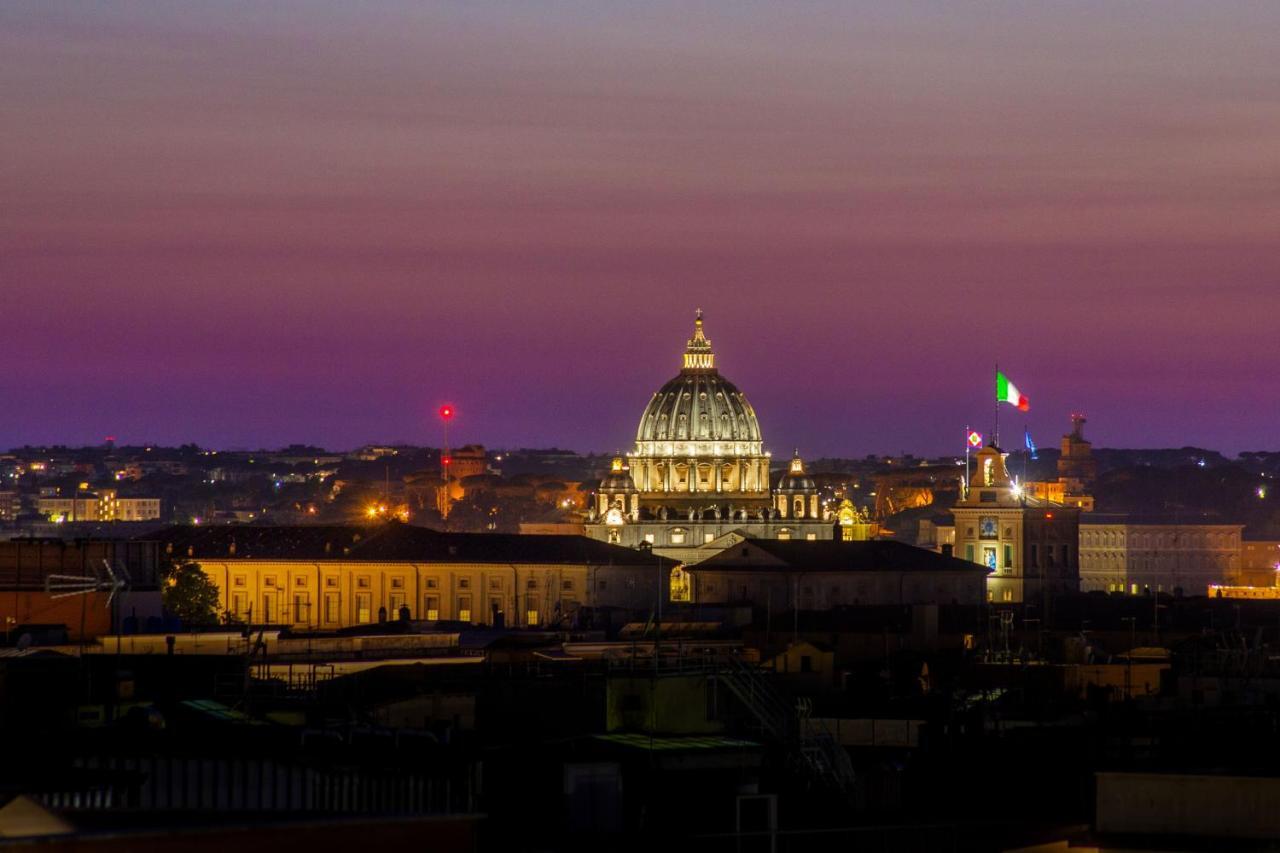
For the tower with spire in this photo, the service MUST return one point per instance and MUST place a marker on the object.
(1030, 546)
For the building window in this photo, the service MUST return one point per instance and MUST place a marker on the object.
(432, 607)
(531, 583)
(269, 580)
(566, 585)
(968, 552)
(331, 582)
(707, 537)
(677, 536)
(648, 537)
(239, 580)
(1008, 595)
(268, 609)
(301, 608)
(681, 585)
(397, 583)
(784, 533)
(614, 537)
(1008, 556)
(495, 583)
(364, 608)
(363, 582)
(239, 604)
(811, 537)
(433, 583)
(300, 581)
(464, 583)
(464, 608)
(989, 556)
(331, 608)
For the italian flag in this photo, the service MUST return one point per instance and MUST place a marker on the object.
(1007, 392)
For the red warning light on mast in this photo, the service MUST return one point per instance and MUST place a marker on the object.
(446, 412)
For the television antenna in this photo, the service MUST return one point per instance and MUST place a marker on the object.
(116, 582)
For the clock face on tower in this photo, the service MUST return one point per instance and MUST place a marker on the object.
(988, 527)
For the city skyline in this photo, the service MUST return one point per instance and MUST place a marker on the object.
(250, 226)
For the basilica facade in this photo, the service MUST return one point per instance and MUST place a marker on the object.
(698, 478)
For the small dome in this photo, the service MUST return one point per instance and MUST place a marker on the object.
(796, 479)
(618, 479)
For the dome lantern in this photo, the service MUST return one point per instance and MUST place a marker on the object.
(698, 354)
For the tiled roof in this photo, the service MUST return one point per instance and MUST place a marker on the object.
(831, 556)
(391, 542)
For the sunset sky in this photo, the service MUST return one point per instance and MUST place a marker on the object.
(250, 224)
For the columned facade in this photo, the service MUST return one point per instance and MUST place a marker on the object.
(699, 469)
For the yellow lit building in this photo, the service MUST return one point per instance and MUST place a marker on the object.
(331, 577)
(1142, 554)
(1259, 561)
(105, 505)
(1077, 472)
(1030, 546)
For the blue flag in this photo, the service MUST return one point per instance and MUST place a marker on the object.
(1031, 445)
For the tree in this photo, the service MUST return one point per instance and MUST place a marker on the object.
(190, 595)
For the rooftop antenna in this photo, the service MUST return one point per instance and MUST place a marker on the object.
(65, 586)
(117, 581)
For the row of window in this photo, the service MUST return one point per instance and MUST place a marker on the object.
(1169, 539)
(366, 582)
(1001, 557)
(272, 608)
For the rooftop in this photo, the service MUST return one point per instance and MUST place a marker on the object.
(874, 555)
(390, 542)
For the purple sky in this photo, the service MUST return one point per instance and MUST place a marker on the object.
(247, 223)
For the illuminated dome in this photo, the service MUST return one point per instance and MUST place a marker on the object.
(699, 412)
(618, 480)
(796, 479)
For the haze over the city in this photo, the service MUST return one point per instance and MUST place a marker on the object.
(248, 224)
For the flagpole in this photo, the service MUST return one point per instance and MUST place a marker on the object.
(964, 491)
(1026, 457)
(995, 433)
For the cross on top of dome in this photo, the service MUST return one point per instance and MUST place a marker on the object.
(697, 352)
